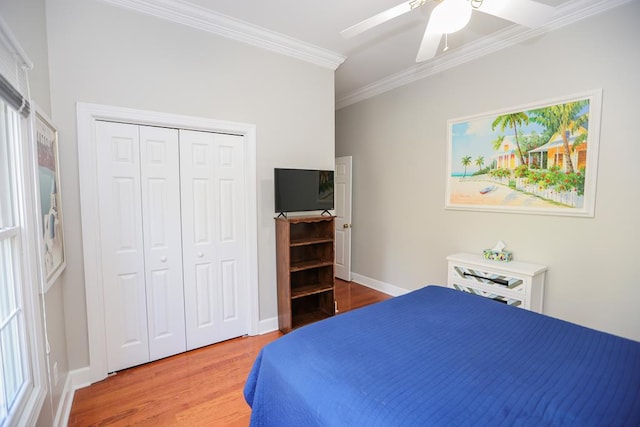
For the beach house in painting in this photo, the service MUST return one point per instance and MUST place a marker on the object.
(506, 155)
(552, 153)
(546, 156)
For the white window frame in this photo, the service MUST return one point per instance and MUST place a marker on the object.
(28, 403)
(27, 407)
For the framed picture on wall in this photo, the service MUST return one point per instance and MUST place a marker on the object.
(539, 158)
(49, 201)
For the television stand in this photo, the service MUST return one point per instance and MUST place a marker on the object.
(305, 259)
(325, 212)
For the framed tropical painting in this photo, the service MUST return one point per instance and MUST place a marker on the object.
(50, 207)
(539, 158)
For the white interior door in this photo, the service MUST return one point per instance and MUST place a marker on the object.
(342, 194)
(160, 182)
(139, 198)
(122, 245)
(213, 227)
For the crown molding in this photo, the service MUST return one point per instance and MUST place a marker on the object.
(566, 14)
(206, 20)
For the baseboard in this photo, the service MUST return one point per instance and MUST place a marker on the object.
(80, 378)
(267, 325)
(64, 405)
(76, 379)
(383, 287)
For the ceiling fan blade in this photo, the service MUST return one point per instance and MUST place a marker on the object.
(378, 19)
(430, 42)
(524, 12)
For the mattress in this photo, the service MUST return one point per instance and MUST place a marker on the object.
(437, 357)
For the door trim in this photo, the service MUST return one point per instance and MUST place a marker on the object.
(87, 115)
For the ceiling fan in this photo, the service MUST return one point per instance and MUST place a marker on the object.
(450, 16)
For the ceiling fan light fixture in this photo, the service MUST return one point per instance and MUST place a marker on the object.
(451, 15)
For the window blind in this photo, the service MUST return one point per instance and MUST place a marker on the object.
(14, 64)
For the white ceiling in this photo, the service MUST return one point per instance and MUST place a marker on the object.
(371, 63)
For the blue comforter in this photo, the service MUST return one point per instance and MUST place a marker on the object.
(439, 357)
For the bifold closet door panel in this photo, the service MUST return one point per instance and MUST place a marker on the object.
(160, 181)
(122, 245)
(139, 199)
(213, 236)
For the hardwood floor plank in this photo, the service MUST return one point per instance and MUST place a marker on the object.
(201, 387)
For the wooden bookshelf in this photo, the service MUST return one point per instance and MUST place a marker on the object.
(305, 256)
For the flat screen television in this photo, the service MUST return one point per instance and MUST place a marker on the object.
(298, 190)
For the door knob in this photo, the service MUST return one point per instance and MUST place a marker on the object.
(346, 225)
(200, 254)
(163, 259)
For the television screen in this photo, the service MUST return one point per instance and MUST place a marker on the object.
(303, 190)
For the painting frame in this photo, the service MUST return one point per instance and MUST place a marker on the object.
(49, 200)
(495, 166)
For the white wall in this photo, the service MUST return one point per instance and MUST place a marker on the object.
(105, 55)
(401, 231)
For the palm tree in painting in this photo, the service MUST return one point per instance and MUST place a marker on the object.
(512, 121)
(466, 161)
(564, 119)
(498, 142)
(480, 162)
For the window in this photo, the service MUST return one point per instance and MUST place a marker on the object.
(22, 357)
(20, 391)
(12, 343)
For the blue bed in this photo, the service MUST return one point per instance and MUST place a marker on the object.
(440, 357)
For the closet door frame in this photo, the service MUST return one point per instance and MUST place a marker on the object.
(87, 115)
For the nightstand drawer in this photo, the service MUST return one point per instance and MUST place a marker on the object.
(472, 275)
(499, 297)
(514, 283)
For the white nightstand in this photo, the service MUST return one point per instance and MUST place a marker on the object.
(516, 283)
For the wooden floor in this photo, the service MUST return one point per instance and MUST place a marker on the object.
(202, 387)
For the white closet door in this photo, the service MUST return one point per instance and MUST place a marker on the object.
(160, 179)
(213, 224)
(122, 246)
